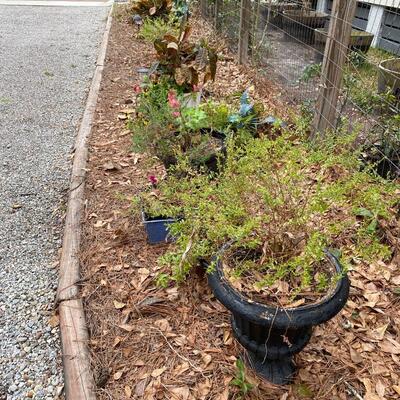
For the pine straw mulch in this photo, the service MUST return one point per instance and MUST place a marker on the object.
(150, 343)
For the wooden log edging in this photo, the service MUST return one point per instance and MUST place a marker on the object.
(79, 382)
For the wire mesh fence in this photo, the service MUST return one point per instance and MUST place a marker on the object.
(337, 60)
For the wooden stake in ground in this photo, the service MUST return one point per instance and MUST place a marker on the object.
(217, 9)
(244, 33)
(204, 8)
(332, 68)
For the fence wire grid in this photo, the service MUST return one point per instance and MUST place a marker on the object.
(295, 45)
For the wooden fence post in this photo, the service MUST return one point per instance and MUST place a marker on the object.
(332, 67)
(255, 22)
(217, 10)
(204, 8)
(244, 31)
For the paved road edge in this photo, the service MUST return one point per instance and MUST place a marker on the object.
(78, 378)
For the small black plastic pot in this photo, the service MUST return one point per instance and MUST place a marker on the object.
(272, 335)
(385, 163)
(211, 162)
(157, 228)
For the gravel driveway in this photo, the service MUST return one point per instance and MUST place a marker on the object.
(47, 58)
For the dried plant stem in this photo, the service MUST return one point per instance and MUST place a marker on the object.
(353, 391)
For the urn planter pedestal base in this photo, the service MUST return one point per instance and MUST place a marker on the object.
(273, 335)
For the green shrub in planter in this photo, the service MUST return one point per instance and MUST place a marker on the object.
(279, 203)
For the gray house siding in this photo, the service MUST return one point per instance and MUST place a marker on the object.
(361, 16)
(390, 31)
(386, 27)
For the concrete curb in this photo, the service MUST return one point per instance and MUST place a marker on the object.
(78, 378)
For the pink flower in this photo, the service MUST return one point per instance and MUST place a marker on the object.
(197, 88)
(153, 180)
(176, 114)
(137, 89)
(172, 99)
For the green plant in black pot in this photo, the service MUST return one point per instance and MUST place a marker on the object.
(153, 125)
(167, 127)
(264, 229)
(284, 191)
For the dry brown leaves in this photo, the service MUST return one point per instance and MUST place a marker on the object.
(149, 343)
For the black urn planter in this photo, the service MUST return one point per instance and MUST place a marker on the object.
(272, 335)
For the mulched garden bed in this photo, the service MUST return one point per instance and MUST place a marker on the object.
(176, 343)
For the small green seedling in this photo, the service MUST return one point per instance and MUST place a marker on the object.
(240, 379)
(163, 280)
(396, 291)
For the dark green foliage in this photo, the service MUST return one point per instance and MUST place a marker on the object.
(166, 126)
(285, 200)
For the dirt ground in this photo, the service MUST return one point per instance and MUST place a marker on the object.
(176, 343)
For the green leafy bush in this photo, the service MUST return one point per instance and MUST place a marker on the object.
(152, 126)
(283, 201)
(166, 126)
(156, 28)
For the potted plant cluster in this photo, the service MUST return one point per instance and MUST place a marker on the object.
(276, 226)
(155, 223)
(166, 126)
(277, 231)
(175, 132)
(171, 122)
